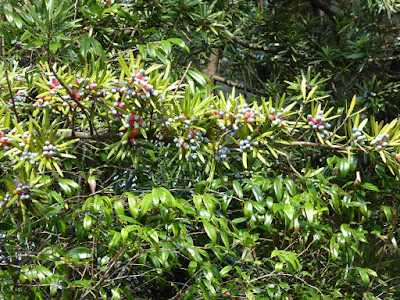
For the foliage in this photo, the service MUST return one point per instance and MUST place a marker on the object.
(126, 173)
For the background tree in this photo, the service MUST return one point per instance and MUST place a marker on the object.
(127, 173)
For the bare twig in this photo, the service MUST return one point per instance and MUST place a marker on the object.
(109, 267)
(73, 98)
(3, 53)
(249, 45)
(183, 77)
(234, 84)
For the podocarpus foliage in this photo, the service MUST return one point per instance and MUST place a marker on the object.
(127, 174)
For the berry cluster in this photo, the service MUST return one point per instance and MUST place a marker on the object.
(247, 113)
(276, 117)
(7, 198)
(24, 190)
(26, 139)
(4, 141)
(380, 141)
(107, 3)
(132, 138)
(358, 137)
(19, 98)
(246, 144)
(143, 82)
(319, 123)
(134, 121)
(53, 84)
(68, 101)
(86, 86)
(42, 102)
(368, 95)
(17, 44)
(138, 79)
(20, 77)
(50, 150)
(396, 156)
(31, 157)
(221, 154)
(180, 143)
(197, 137)
(226, 119)
(78, 93)
(116, 114)
(182, 118)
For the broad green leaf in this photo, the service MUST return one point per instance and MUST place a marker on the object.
(80, 253)
(87, 222)
(146, 204)
(257, 193)
(290, 186)
(344, 167)
(309, 209)
(210, 230)
(370, 186)
(192, 268)
(248, 209)
(119, 208)
(289, 211)
(238, 189)
(278, 189)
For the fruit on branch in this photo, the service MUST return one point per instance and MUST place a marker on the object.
(24, 190)
(135, 121)
(30, 156)
(380, 141)
(116, 114)
(277, 118)
(19, 97)
(358, 137)
(42, 102)
(247, 145)
(369, 95)
(248, 114)
(4, 140)
(319, 123)
(50, 150)
(17, 44)
(221, 154)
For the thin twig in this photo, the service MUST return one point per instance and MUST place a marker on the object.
(3, 53)
(249, 45)
(72, 96)
(183, 77)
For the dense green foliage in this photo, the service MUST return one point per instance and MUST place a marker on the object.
(126, 173)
